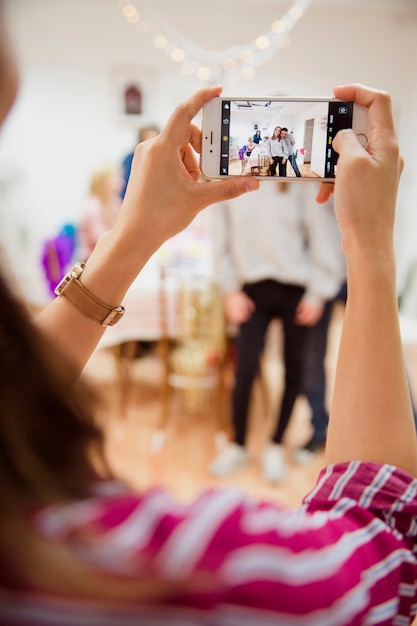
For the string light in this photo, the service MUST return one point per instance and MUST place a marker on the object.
(229, 65)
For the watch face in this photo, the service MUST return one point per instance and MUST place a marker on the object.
(74, 272)
(77, 270)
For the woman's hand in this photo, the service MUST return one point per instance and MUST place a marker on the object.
(371, 417)
(165, 193)
(367, 178)
(375, 172)
(163, 196)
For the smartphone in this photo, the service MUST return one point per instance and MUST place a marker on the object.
(273, 137)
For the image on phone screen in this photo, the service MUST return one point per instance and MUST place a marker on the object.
(296, 135)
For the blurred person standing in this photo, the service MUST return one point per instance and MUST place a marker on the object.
(145, 133)
(101, 207)
(274, 256)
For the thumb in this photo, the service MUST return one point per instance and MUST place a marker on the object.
(220, 191)
(346, 141)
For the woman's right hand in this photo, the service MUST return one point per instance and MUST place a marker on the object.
(371, 417)
(367, 178)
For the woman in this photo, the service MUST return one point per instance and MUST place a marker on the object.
(277, 153)
(77, 551)
(101, 208)
(249, 146)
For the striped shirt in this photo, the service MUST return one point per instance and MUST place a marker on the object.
(347, 555)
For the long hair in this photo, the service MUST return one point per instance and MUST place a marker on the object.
(46, 430)
(46, 422)
(278, 135)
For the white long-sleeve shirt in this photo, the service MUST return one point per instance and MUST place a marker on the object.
(284, 236)
(276, 147)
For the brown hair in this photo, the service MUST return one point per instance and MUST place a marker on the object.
(46, 423)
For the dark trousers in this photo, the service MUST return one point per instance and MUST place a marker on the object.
(272, 299)
(293, 160)
(277, 163)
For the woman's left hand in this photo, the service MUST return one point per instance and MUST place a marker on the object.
(165, 192)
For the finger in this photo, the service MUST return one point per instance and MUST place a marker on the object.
(378, 103)
(195, 138)
(221, 191)
(345, 140)
(189, 152)
(190, 161)
(324, 192)
(178, 125)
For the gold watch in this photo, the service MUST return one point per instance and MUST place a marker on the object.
(71, 288)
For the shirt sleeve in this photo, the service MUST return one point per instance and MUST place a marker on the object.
(345, 557)
(387, 492)
(224, 264)
(327, 269)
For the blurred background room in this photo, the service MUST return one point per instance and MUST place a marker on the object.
(95, 72)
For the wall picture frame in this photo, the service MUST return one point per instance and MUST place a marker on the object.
(134, 95)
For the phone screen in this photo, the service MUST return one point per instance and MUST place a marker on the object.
(296, 134)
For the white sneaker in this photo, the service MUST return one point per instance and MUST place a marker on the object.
(303, 456)
(273, 463)
(229, 459)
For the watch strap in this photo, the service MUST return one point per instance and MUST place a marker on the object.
(71, 288)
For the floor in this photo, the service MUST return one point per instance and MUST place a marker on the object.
(132, 416)
(235, 168)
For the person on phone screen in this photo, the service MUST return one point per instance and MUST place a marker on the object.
(257, 137)
(77, 549)
(289, 140)
(250, 145)
(277, 153)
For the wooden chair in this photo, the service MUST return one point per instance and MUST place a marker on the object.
(194, 356)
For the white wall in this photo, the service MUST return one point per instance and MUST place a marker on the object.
(64, 121)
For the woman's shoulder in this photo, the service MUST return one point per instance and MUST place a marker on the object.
(386, 491)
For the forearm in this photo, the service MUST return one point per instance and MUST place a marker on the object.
(107, 275)
(371, 416)
(151, 214)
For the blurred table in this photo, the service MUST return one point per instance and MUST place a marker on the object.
(144, 319)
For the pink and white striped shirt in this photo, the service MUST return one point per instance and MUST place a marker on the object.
(346, 556)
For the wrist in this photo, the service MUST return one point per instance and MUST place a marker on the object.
(370, 266)
(73, 289)
(113, 265)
